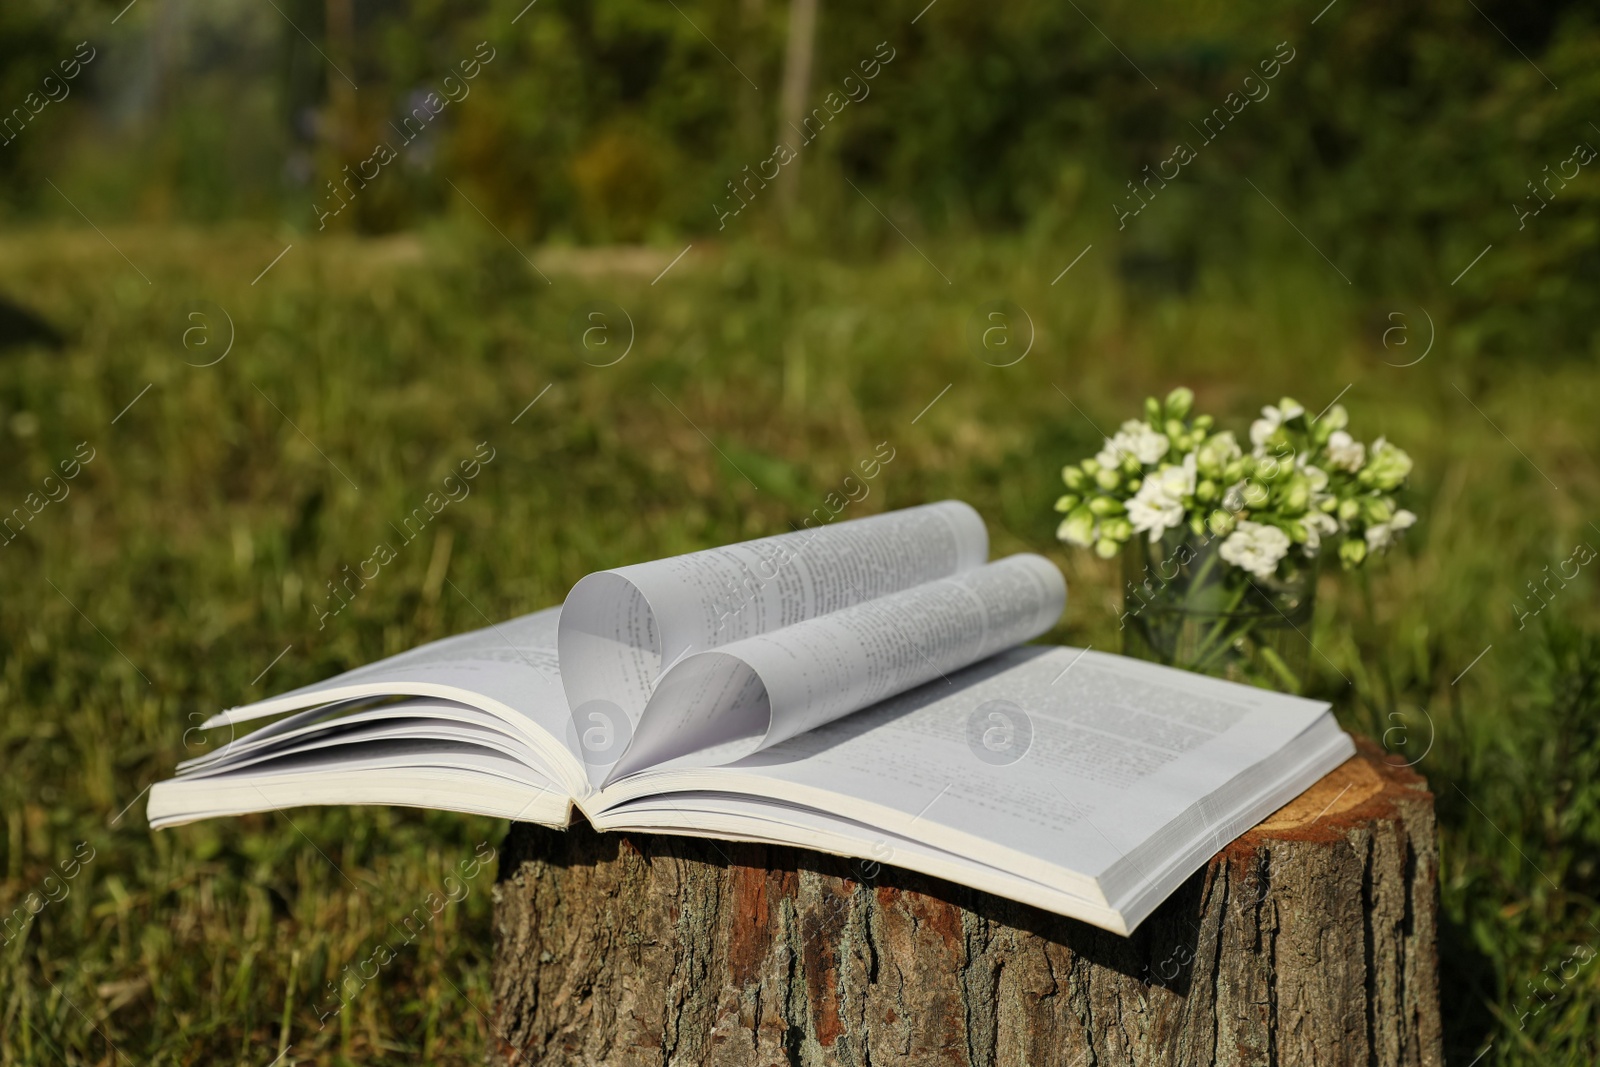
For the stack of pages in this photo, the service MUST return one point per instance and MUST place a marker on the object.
(862, 689)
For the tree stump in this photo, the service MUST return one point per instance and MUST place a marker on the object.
(1309, 940)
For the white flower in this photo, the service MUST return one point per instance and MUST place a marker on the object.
(1262, 429)
(1271, 418)
(1345, 452)
(1156, 517)
(1384, 534)
(1076, 531)
(1159, 503)
(1139, 440)
(1318, 479)
(1256, 547)
(1318, 524)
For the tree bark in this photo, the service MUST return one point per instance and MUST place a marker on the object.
(1309, 940)
(796, 84)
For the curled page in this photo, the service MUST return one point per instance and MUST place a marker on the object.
(619, 627)
(727, 703)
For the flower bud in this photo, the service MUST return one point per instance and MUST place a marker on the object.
(1091, 466)
(1066, 502)
(1222, 522)
(1073, 476)
(1376, 509)
(1108, 478)
(1337, 418)
(1152, 411)
(1236, 469)
(1206, 492)
(1216, 455)
(1103, 506)
(1203, 423)
(1387, 467)
(1179, 402)
(1106, 548)
(1118, 529)
(1352, 552)
(1077, 528)
(1297, 495)
(1349, 509)
(1174, 431)
(1197, 525)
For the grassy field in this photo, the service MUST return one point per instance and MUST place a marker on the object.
(184, 569)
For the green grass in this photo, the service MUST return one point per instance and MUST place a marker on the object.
(191, 551)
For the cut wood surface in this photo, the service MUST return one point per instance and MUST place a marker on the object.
(1310, 940)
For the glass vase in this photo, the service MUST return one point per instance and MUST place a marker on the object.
(1185, 606)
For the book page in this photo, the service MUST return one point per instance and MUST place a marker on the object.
(438, 774)
(353, 732)
(620, 628)
(744, 818)
(328, 719)
(513, 661)
(1042, 762)
(763, 690)
(508, 669)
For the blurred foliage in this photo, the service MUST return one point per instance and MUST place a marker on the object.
(1400, 140)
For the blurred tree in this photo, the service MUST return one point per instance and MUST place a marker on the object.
(1403, 141)
(796, 89)
(35, 38)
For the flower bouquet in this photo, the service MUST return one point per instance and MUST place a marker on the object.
(1223, 544)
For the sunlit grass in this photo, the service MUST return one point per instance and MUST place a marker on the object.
(196, 546)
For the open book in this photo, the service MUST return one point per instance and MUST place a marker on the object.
(862, 688)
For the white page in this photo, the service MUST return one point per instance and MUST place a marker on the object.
(331, 719)
(509, 669)
(619, 627)
(763, 690)
(1150, 872)
(742, 818)
(313, 715)
(1037, 761)
(514, 662)
(351, 738)
(424, 774)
